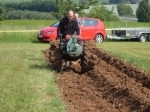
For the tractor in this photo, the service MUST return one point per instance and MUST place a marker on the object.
(73, 51)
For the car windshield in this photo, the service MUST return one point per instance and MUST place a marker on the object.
(55, 24)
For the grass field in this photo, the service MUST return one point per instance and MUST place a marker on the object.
(26, 82)
(133, 52)
(38, 24)
(25, 24)
(22, 37)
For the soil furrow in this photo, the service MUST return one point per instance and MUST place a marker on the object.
(112, 85)
(132, 71)
(121, 90)
(81, 95)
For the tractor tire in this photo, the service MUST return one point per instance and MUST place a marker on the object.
(142, 38)
(85, 59)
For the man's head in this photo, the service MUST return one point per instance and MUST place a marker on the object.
(70, 15)
(76, 15)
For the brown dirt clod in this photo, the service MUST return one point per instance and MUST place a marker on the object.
(112, 85)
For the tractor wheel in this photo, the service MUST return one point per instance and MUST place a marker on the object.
(85, 59)
(142, 38)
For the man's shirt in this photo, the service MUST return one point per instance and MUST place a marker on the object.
(65, 27)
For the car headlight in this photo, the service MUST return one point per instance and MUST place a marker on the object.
(49, 32)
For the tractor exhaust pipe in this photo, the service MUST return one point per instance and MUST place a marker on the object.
(60, 37)
(61, 44)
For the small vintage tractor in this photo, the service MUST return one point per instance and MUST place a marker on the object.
(73, 51)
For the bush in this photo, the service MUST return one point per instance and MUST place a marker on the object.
(124, 10)
(102, 13)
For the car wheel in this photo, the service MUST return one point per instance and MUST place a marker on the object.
(142, 38)
(99, 38)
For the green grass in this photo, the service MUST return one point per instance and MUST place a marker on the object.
(25, 24)
(122, 24)
(38, 24)
(21, 37)
(136, 53)
(26, 83)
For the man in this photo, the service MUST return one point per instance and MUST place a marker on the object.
(79, 21)
(68, 26)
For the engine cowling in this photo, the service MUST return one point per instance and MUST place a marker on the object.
(73, 48)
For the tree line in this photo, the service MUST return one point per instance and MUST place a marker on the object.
(19, 14)
(35, 5)
(119, 1)
(61, 8)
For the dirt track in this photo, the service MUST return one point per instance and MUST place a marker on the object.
(111, 86)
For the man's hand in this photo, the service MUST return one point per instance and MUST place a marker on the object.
(79, 37)
(67, 37)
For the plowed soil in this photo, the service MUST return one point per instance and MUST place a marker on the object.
(111, 86)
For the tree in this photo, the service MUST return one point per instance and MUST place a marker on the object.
(2, 10)
(124, 9)
(63, 6)
(102, 13)
(11, 6)
(143, 11)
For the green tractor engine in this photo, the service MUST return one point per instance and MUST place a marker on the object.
(70, 47)
(73, 49)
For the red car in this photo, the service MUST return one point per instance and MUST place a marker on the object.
(92, 29)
